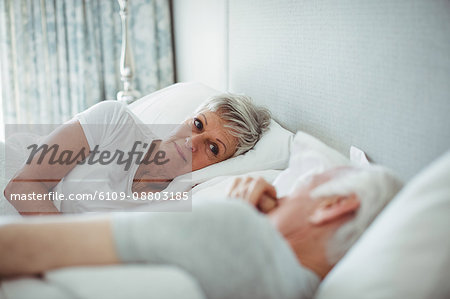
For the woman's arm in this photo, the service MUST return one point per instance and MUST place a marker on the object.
(40, 176)
(33, 247)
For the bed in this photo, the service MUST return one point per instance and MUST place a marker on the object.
(368, 74)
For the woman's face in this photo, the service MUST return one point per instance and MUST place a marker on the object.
(202, 140)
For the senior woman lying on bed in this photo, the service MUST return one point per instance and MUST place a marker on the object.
(230, 249)
(224, 126)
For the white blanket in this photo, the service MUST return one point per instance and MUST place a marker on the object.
(112, 282)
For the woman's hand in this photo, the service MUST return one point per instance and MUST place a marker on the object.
(40, 175)
(256, 191)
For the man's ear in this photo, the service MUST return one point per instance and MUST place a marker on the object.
(334, 208)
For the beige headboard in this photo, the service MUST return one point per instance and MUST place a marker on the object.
(375, 74)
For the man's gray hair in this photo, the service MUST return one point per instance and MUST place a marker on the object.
(375, 186)
(245, 120)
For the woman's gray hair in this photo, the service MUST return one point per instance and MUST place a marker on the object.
(375, 186)
(246, 121)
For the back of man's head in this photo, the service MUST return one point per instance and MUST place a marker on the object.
(375, 186)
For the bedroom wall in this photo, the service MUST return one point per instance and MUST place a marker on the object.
(368, 73)
(200, 28)
(374, 74)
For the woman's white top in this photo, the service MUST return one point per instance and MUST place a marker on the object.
(109, 126)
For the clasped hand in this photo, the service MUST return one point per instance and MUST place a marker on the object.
(257, 191)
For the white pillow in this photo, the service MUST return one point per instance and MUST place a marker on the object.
(222, 184)
(405, 253)
(358, 156)
(173, 104)
(309, 156)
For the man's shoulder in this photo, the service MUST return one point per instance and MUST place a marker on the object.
(237, 218)
(226, 208)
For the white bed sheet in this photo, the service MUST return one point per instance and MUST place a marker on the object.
(112, 282)
(220, 185)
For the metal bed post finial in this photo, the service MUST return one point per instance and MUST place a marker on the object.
(128, 94)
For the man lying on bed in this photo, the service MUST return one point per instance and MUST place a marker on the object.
(230, 248)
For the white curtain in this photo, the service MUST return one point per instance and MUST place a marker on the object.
(59, 57)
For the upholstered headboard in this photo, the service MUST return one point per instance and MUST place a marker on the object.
(375, 74)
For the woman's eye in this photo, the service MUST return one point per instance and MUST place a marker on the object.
(214, 148)
(198, 124)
